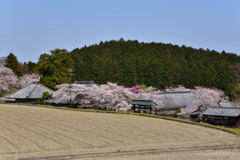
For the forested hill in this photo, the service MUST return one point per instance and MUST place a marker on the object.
(154, 64)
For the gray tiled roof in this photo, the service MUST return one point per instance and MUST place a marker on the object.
(230, 104)
(142, 102)
(176, 99)
(32, 91)
(86, 83)
(222, 111)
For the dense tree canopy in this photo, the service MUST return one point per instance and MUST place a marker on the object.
(54, 68)
(17, 67)
(129, 63)
(154, 64)
(12, 63)
(30, 66)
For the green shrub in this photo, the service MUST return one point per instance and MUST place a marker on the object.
(176, 112)
(46, 95)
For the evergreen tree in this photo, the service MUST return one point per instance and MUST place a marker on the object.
(154, 64)
(54, 68)
(13, 64)
(31, 66)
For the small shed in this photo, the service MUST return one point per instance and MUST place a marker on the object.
(142, 104)
(227, 116)
(30, 93)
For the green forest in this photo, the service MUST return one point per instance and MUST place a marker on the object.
(155, 64)
(129, 63)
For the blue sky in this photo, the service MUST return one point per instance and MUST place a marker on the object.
(29, 28)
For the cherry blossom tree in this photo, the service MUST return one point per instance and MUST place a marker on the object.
(135, 89)
(205, 97)
(77, 91)
(8, 79)
(109, 96)
(28, 79)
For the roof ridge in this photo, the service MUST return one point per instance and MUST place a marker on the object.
(17, 90)
(32, 90)
(90, 83)
(46, 87)
(174, 92)
(141, 100)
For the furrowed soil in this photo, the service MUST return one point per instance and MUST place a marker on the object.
(34, 132)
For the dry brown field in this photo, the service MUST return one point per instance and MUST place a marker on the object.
(33, 132)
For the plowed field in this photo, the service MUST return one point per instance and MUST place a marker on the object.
(28, 131)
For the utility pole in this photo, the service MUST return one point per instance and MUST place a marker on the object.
(70, 82)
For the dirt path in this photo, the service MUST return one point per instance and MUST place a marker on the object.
(223, 152)
(27, 131)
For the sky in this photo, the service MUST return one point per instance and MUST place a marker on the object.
(29, 28)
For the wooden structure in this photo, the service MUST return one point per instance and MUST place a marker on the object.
(172, 101)
(30, 93)
(142, 104)
(195, 115)
(227, 116)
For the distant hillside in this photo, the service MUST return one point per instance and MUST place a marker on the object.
(154, 64)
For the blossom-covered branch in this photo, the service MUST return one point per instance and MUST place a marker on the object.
(109, 96)
(28, 79)
(8, 79)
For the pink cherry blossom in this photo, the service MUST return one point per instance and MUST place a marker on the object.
(135, 89)
(27, 79)
(205, 97)
(8, 79)
(109, 96)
